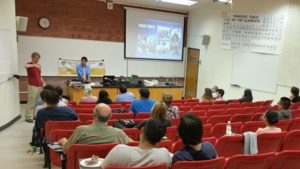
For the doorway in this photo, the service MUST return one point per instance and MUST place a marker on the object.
(192, 67)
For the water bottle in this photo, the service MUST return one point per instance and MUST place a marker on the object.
(228, 129)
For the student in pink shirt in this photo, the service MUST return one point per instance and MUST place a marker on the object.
(270, 118)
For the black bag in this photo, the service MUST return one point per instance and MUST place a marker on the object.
(36, 139)
(125, 123)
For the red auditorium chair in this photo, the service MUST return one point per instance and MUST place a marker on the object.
(215, 112)
(261, 161)
(233, 111)
(295, 106)
(284, 124)
(192, 100)
(263, 109)
(133, 133)
(159, 166)
(218, 119)
(228, 146)
(259, 103)
(219, 130)
(286, 160)
(248, 104)
(206, 130)
(270, 142)
(295, 125)
(234, 105)
(116, 106)
(291, 141)
(233, 101)
(267, 103)
(127, 106)
(165, 144)
(218, 106)
(205, 103)
(119, 116)
(175, 122)
(198, 112)
(256, 117)
(185, 108)
(87, 103)
(252, 126)
(171, 133)
(181, 113)
(73, 103)
(142, 115)
(295, 113)
(240, 118)
(178, 145)
(249, 110)
(201, 108)
(80, 151)
(220, 102)
(206, 164)
(80, 105)
(56, 135)
(84, 110)
(203, 119)
(212, 140)
(192, 104)
(85, 117)
(65, 125)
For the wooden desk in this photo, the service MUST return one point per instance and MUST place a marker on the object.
(155, 92)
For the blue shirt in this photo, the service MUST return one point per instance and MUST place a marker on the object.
(125, 97)
(54, 113)
(206, 148)
(83, 70)
(142, 105)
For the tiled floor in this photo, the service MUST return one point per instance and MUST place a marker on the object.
(14, 144)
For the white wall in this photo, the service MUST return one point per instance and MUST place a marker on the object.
(51, 49)
(206, 19)
(9, 91)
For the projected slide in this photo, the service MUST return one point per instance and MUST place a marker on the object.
(154, 35)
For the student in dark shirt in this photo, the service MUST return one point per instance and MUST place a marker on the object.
(283, 108)
(247, 97)
(160, 112)
(104, 97)
(295, 95)
(190, 131)
(52, 111)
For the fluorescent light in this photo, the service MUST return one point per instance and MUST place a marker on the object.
(180, 2)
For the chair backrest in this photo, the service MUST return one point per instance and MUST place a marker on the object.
(233, 111)
(85, 117)
(219, 130)
(201, 107)
(142, 115)
(133, 133)
(218, 106)
(228, 146)
(198, 112)
(233, 101)
(256, 116)
(64, 125)
(270, 142)
(85, 105)
(292, 141)
(267, 103)
(80, 110)
(175, 122)
(116, 106)
(185, 108)
(295, 113)
(190, 104)
(295, 106)
(295, 125)
(241, 118)
(220, 102)
(248, 104)
(249, 110)
(261, 161)
(263, 109)
(252, 126)
(158, 166)
(80, 151)
(192, 100)
(205, 103)
(119, 116)
(284, 124)
(206, 130)
(166, 144)
(215, 112)
(218, 119)
(73, 103)
(171, 133)
(286, 160)
(234, 105)
(204, 119)
(206, 164)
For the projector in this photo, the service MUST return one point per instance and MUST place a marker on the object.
(223, 2)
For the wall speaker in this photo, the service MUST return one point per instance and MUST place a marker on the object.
(109, 4)
(21, 22)
(205, 40)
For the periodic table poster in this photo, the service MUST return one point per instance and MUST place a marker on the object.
(253, 32)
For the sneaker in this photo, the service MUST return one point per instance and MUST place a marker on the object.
(29, 120)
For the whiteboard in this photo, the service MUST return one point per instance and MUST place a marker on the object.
(51, 49)
(255, 71)
(6, 68)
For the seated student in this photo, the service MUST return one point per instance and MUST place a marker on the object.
(283, 108)
(220, 94)
(270, 118)
(159, 111)
(173, 111)
(295, 95)
(190, 131)
(88, 95)
(214, 90)
(146, 154)
(207, 96)
(124, 96)
(96, 133)
(104, 97)
(52, 111)
(247, 97)
(144, 104)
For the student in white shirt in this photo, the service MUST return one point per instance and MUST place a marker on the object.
(146, 154)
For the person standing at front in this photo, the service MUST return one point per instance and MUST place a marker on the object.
(83, 71)
(35, 85)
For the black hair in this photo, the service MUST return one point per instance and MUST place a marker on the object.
(59, 90)
(47, 87)
(144, 93)
(123, 89)
(50, 96)
(285, 103)
(104, 97)
(154, 131)
(190, 129)
(272, 117)
(84, 58)
(295, 91)
(221, 92)
(35, 54)
(247, 96)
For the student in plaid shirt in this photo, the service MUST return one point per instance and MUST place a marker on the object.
(173, 111)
